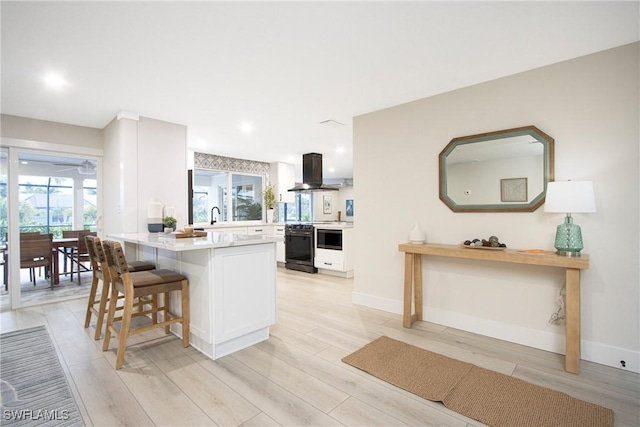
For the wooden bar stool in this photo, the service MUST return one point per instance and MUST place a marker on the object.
(142, 284)
(100, 269)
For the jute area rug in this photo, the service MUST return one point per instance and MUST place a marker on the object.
(492, 398)
(34, 389)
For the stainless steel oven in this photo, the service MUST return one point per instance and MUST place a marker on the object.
(299, 247)
(329, 239)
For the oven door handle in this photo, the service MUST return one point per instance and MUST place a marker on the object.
(303, 234)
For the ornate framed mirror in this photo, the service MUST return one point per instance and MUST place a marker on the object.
(502, 171)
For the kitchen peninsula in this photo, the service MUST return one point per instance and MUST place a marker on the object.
(232, 284)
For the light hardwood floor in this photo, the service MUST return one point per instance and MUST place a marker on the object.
(296, 377)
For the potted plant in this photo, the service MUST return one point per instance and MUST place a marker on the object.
(269, 201)
(169, 223)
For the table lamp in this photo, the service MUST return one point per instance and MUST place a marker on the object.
(569, 197)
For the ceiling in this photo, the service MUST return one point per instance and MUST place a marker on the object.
(283, 67)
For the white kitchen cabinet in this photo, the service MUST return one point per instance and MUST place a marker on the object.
(329, 259)
(225, 229)
(260, 230)
(278, 231)
(241, 306)
(335, 262)
(282, 176)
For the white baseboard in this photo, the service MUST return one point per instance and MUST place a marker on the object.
(600, 353)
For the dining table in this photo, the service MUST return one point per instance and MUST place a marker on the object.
(60, 246)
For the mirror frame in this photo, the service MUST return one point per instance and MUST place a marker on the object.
(548, 172)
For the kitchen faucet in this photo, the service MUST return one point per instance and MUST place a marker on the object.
(213, 220)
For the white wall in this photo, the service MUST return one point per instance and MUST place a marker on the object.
(143, 159)
(120, 176)
(590, 106)
(338, 203)
(162, 168)
(50, 132)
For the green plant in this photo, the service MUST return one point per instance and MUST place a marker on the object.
(169, 222)
(269, 197)
(246, 210)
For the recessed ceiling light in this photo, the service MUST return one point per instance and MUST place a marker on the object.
(54, 81)
(332, 170)
(246, 127)
(340, 150)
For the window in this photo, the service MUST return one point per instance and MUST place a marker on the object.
(237, 196)
(46, 204)
(246, 197)
(300, 210)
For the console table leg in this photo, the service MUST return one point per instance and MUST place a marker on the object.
(408, 288)
(417, 286)
(412, 289)
(572, 324)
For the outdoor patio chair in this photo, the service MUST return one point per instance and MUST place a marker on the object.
(36, 250)
(79, 256)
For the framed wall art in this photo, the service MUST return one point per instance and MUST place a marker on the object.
(349, 207)
(513, 190)
(326, 204)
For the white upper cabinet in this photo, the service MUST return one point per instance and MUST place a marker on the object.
(282, 176)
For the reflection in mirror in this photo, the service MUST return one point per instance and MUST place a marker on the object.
(503, 171)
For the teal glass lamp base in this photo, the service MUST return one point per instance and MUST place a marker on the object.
(568, 238)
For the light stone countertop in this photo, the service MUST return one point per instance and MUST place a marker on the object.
(339, 225)
(213, 240)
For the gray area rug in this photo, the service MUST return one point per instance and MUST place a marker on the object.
(34, 388)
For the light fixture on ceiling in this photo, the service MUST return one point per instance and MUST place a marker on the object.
(569, 197)
(54, 81)
(246, 127)
(87, 168)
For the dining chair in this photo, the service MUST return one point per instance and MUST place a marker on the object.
(79, 255)
(36, 250)
(5, 272)
(100, 270)
(151, 283)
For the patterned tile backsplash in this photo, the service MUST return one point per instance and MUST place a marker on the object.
(213, 162)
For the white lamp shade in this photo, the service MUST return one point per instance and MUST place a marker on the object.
(570, 197)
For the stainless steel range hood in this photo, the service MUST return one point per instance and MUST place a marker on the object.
(312, 174)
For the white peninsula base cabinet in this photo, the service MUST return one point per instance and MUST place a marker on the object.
(232, 285)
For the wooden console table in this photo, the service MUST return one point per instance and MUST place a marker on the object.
(572, 266)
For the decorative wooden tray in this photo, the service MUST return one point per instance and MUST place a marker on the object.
(487, 248)
(182, 235)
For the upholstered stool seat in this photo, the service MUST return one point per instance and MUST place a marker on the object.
(145, 284)
(100, 268)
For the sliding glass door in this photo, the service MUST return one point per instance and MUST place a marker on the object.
(44, 193)
(5, 302)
